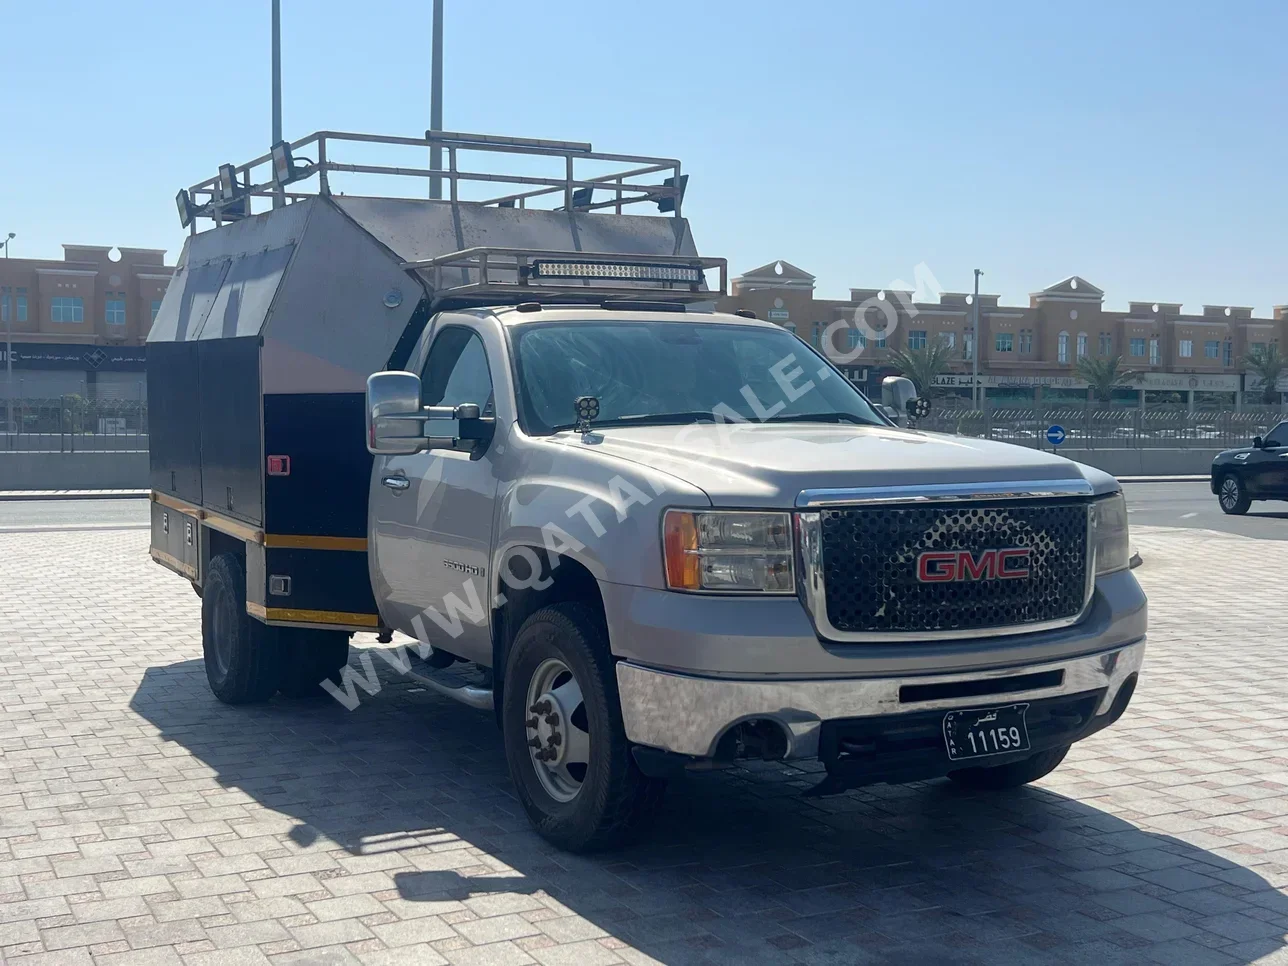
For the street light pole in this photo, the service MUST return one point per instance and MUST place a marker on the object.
(436, 101)
(8, 352)
(975, 342)
(277, 71)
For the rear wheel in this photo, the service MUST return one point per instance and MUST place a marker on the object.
(310, 657)
(1232, 496)
(1014, 775)
(564, 741)
(242, 655)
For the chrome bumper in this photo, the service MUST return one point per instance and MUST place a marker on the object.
(689, 715)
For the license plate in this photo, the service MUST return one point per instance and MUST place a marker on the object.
(980, 732)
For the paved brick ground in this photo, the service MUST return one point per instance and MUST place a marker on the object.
(143, 822)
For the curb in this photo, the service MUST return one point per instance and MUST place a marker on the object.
(1203, 478)
(11, 495)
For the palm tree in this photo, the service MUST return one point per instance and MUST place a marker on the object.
(1267, 365)
(923, 365)
(1103, 375)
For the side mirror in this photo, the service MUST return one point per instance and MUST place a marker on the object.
(1258, 442)
(396, 419)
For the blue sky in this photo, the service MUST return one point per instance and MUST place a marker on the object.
(1141, 145)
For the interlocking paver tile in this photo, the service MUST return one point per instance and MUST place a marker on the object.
(135, 809)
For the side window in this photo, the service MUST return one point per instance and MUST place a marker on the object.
(456, 371)
(1278, 436)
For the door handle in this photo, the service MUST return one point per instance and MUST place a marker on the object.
(398, 483)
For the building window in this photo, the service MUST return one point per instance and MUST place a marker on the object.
(1026, 340)
(114, 313)
(1136, 347)
(1186, 349)
(64, 308)
(1106, 344)
(156, 307)
(1153, 351)
(22, 304)
(1004, 342)
(817, 335)
(1257, 349)
(1062, 347)
(917, 339)
(881, 340)
(1212, 349)
(856, 338)
(1082, 344)
(1227, 353)
(4, 304)
(948, 339)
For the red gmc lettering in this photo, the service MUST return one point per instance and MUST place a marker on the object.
(942, 566)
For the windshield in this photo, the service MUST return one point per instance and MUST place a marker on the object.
(672, 372)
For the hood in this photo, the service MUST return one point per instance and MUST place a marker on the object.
(1228, 454)
(768, 465)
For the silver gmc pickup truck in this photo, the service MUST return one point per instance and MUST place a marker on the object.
(648, 537)
(705, 545)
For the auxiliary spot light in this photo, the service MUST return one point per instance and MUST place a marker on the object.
(283, 163)
(184, 203)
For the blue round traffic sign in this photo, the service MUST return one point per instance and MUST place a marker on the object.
(1055, 435)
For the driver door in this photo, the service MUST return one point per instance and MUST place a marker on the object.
(432, 512)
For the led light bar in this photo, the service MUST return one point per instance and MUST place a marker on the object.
(639, 273)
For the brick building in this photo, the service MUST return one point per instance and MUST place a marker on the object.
(1029, 351)
(77, 326)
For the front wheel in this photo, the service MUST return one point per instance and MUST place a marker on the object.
(564, 741)
(1017, 773)
(1232, 496)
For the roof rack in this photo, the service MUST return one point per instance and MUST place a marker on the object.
(510, 275)
(227, 196)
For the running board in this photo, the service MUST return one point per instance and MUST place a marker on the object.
(468, 694)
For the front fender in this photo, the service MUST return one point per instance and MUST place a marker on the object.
(600, 512)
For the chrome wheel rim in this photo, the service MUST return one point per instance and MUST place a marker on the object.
(557, 730)
(1229, 492)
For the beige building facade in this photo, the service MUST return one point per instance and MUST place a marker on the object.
(78, 325)
(1028, 352)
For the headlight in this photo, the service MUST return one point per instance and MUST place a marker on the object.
(1109, 534)
(728, 550)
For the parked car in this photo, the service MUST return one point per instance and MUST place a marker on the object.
(1256, 472)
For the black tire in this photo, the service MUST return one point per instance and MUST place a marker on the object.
(310, 657)
(242, 655)
(1232, 495)
(1017, 773)
(616, 802)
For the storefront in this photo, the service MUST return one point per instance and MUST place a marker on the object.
(48, 370)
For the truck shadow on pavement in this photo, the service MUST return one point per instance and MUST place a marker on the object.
(740, 868)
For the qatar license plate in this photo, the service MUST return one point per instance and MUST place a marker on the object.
(980, 732)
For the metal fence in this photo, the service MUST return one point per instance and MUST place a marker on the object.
(74, 424)
(1109, 427)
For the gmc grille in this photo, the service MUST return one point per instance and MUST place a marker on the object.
(869, 561)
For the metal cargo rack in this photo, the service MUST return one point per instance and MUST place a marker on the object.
(227, 196)
(508, 275)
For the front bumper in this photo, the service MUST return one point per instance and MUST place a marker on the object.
(688, 715)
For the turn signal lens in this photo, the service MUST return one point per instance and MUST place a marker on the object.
(680, 536)
(729, 550)
(1109, 539)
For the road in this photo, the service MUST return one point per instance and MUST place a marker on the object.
(1193, 507)
(1187, 505)
(18, 515)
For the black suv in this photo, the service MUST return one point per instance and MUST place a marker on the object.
(1256, 472)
